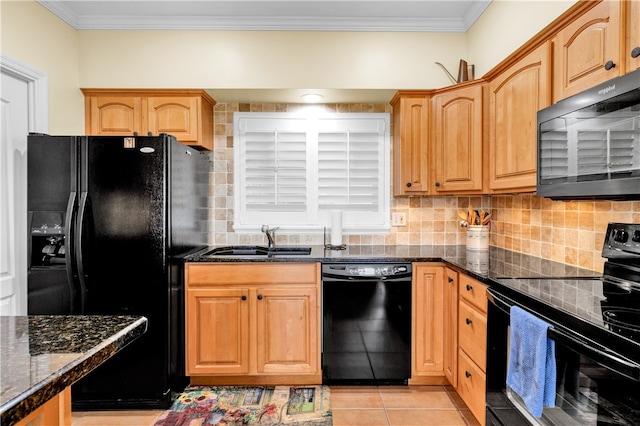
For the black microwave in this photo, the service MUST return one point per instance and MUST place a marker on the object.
(589, 144)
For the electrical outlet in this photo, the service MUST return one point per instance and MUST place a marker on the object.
(398, 219)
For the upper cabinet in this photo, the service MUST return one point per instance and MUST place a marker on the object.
(185, 114)
(411, 143)
(632, 35)
(458, 135)
(515, 96)
(588, 50)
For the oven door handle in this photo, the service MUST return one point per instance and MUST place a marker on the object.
(602, 357)
(606, 359)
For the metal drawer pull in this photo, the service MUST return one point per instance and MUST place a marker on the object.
(468, 321)
(450, 279)
(467, 374)
(259, 297)
(244, 297)
(469, 288)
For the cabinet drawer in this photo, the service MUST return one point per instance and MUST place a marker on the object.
(472, 333)
(472, 386)
(474, 292)
(204, 274)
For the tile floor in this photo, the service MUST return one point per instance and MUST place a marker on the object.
(351, 406)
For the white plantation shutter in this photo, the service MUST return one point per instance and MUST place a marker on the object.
(292, 170)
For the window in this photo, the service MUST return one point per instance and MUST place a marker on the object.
(292, 170)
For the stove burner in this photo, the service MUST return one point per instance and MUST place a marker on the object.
(624, 321)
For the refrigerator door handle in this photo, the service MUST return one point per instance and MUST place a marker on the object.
(70, 255)
(79, 240)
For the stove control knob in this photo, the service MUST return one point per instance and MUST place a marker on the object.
(636, 236)
(620, 236)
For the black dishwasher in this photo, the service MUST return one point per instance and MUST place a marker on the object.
(366, 335)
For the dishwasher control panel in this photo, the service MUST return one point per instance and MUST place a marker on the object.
(366, 270)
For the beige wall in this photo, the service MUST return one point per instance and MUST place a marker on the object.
(496, 34)
(267, 59)
(32, 35)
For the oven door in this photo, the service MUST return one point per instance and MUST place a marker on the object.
(594, 386)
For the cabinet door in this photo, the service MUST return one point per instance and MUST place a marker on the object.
(587, 51)
(428, 332)
(287, 326)
(632, 34)
(175, 115)
(217, 331)
(113, 115)
(450, 349)
(515, 97)
(458, 139)
(411, 145)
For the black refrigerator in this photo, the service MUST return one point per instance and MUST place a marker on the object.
(110, 220)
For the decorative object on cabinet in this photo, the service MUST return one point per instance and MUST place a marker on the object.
(185, 114)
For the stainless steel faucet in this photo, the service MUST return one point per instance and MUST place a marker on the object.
(271, 234)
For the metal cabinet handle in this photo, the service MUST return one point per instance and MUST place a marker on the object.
(244, 297)
(608, 65)
(259, 297)
(469, 287)
(635, 52)
(467, 374)
(468, 321)
(438, 184)
(450, 279)
(408, 184)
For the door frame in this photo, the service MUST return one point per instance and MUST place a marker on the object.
(37, 91)
(37, 120)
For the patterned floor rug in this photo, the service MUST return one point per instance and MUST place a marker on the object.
(237, 405)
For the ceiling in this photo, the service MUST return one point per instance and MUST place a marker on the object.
(283, 15)
(304, 15)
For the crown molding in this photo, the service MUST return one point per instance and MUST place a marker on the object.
(265, 23)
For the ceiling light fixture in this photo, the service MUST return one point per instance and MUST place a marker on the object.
(312, 98)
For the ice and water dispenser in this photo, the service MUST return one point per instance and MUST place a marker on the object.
(49, 289)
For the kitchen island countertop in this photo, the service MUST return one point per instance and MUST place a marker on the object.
(40, 356)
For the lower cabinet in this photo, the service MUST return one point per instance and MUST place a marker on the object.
(56, 411)
(250, 323)
(472, 344)
(428, 324)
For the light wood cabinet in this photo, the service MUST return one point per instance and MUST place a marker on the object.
(253, 323)
(515, 97)
(472, 344)
(632, 34)
(450, 348)
(411, 152)
(458, 141)
(55, 412)
(185, 114)
(428, 324)
(588, 50)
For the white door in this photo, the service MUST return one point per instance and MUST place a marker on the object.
(21, 112)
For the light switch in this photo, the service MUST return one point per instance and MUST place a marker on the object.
(398, 219)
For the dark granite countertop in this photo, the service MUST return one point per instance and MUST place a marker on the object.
(41, 355)
(484, 265)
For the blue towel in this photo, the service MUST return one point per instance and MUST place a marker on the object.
(532, 362)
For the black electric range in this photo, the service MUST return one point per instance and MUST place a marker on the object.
(595, 323)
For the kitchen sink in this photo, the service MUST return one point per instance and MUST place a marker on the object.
(257, 250)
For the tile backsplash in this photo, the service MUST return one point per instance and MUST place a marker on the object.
(567, 232)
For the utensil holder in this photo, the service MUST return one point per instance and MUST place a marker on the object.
(477, 237)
